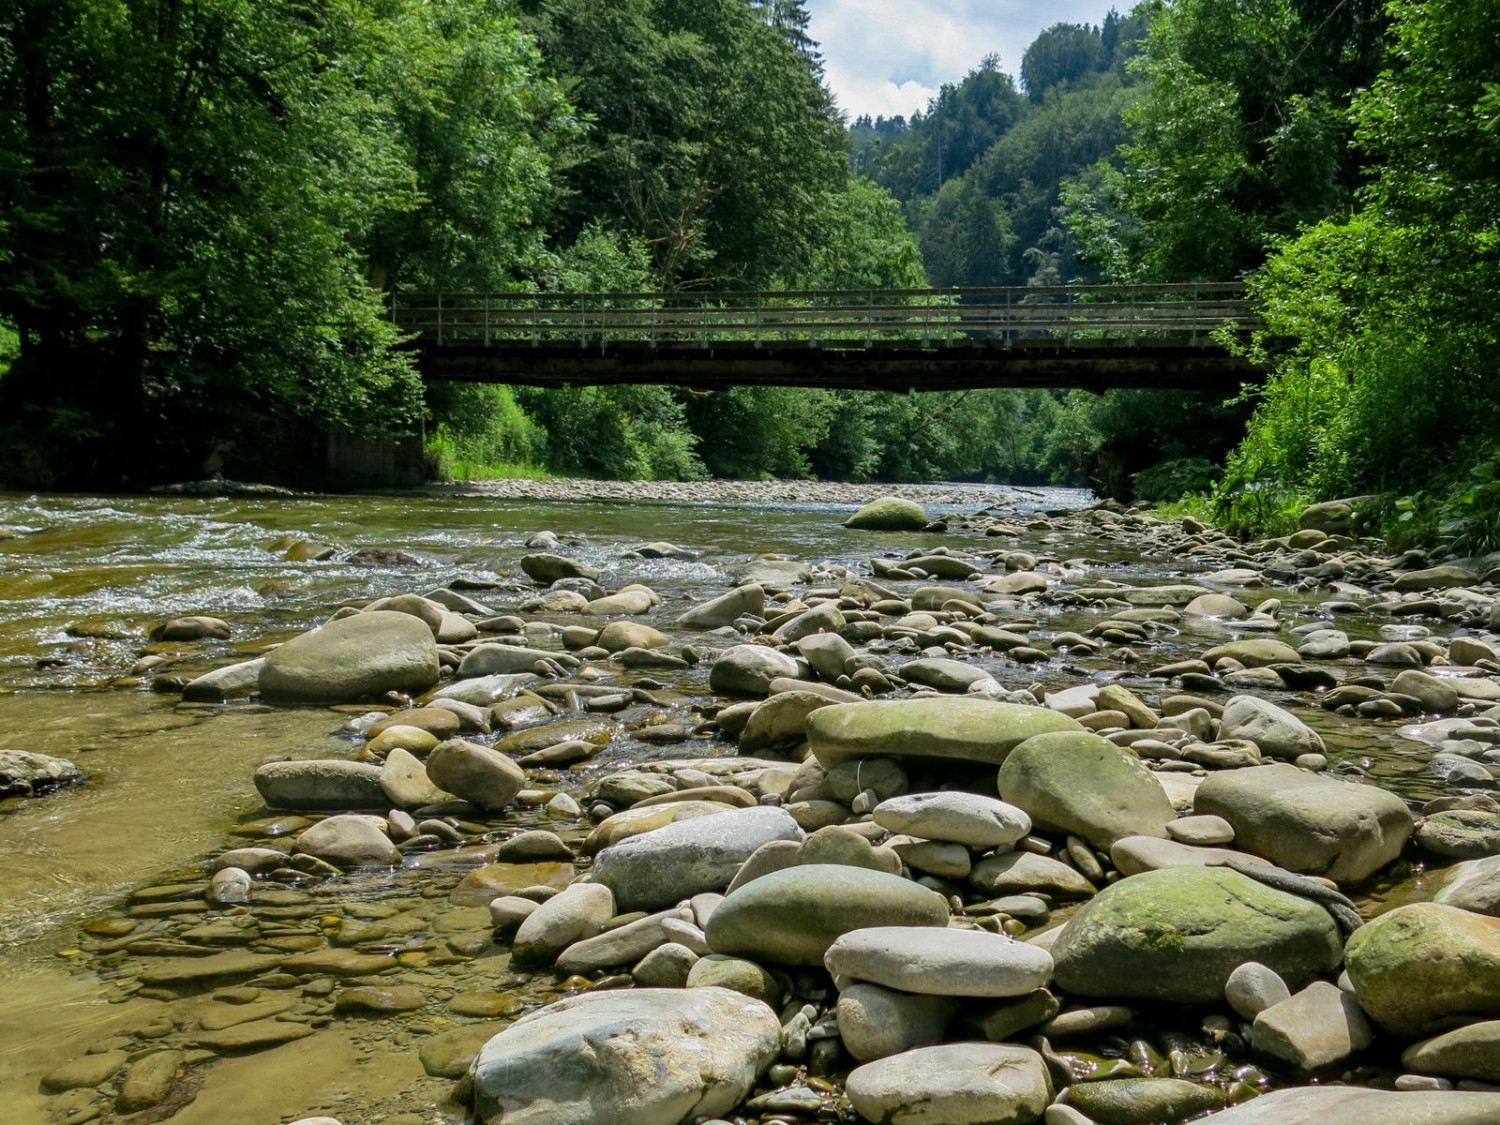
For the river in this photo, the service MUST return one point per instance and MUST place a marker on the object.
(83, 579)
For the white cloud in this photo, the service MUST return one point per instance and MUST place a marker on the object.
(888, 57)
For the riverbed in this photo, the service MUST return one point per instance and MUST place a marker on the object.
(84, 579)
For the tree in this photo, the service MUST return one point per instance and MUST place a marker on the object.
(1065, 52)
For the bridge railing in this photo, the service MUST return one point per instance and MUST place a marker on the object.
(1187, 314)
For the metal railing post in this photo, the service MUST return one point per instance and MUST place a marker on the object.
(440, 320)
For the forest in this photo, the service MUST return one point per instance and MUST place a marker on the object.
(204, 207)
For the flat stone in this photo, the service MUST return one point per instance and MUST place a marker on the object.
(1320, 1027)
(1471, 1052)
(254, 1036)
(197, 970)
(1353, 1105)
(959, 728)
(481, 886)
(351, 658)
(940, 962)
(793, 915)
(1020, 872)
(970, 819)
(957, 1083)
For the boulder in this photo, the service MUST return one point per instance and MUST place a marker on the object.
(1021, 872)
(1275, 730)
(320, 784)
(1472, 885)
(793, 915)
(1177, 935)
(351, 658)
(349, 841)
(1417, 966)
(233, 681)
(475, 773)
(1471, 1052)
(1320, 1027)
(23, 773)
(574, 914)
(638, 1057)
(1336, 517)
(875, 1022)
(546, 568)
(970, 819)
(1307, 822)
(961, 728)
(749, 670)
(657, 868)
(957, 1083)
(1084, 784)
(1254, 652)
(726, 609)
(889, 513)
(1129, 1101)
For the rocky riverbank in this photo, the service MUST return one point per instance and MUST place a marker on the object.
(753, 492)
(986, 832)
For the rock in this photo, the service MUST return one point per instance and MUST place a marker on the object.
(23, 773)
(475, 773)
(319, 784)
(196, 628)
(573, 915)
(1254, 652)
(1083, 784)
(875, 1022)
(1324, 644)
(1318, 1028)
(1336, 517)
(780, 721)
(1252, 988)
(745, 977)
(633, 599)
(1472, 885)
(1129, 1101)
(1201, 831)
(1419, 965)
(1134, 854)
(669, 966)
(1471, 1052)
(450, 1054)
(889, 513)
(1216, 605)
(404, 780)
(1275, 730)
(634, 821)
(1352, 1105)
(380, 999)
(1021, 872)
(1435, 696)
(350, 842)
(171, 971)
(953, 1084)
(793, 915)
(943, 674)
(749, 670)
(1177, 934)
(1435, 578)
(726, 609)
(496, 661)
(639, 1057)
(940, 962)
(828, 653)
(546, 568)
(621, 945)
(1460, 833)
(233, 681)
(960, 728)
(617, 636)
(657, 868)
(83, 1072)
(254, 1036)
(351, 658)
(970, 819)
(1309, 823)
(148, 1081)
(824, 618)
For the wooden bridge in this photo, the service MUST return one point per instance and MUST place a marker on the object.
(1093, 337)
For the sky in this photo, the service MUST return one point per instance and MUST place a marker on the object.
(888, 57)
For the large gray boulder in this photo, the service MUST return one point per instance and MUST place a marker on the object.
(1178, 933)
(960, 728)
(351, 658)
(1308, 822)
(657, 868)
(962, 1083)
(647, 1056)
(793, 915)
(1080, 783)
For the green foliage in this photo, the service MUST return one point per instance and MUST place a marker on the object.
(1172, 480)
(966, 236)
(1064, 53)
(614, 433)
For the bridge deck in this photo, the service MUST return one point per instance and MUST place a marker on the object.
(902, 340)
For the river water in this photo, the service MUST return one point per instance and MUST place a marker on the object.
(83, 579)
